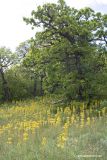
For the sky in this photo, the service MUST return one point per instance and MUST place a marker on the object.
(13, 30)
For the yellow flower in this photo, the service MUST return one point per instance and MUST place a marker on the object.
(44, 141)
(9, 140)
(25, 136)
(58, 120)
(88, 121)
(60, 145)
(104, 111)
(82, 116)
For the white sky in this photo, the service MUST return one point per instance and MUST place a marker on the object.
(12, 28)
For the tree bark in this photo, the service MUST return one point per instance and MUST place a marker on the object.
(35, 88)
(6, 90)
(80, 75)
(41, 86)
(67, 62)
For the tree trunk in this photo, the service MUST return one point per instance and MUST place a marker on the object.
(67, 63)
(79, 76)
(41, 86)
(35, 88)
(6, 90)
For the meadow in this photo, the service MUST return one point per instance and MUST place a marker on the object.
(37, 130)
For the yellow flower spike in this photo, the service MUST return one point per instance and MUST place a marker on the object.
(25, 136)
(72, 119)
(88, 121)
(62, 138)
(51, 121)
(44, 141)
(58, 121)
(9, 140)
(66, 125)
(68, 120)
(104, 111)
(82, 119)
(62, 110)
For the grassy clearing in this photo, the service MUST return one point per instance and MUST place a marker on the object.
(34, 131)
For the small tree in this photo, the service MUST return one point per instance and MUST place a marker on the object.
(7, 58)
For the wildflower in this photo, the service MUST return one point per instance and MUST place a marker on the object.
(88, 121)
(9, 140)
(72, 119)
(61, 139)
(104, 111)
(82, 117)
(25, 136)
(58, 120)
(60, 145)
(44, 141)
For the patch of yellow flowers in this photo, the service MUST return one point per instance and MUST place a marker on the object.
(62, 138)
(19, 123)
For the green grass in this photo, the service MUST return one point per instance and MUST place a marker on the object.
(86, 141)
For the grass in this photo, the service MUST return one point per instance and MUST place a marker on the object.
(32, 130)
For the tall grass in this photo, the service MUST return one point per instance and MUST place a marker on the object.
(35, 130)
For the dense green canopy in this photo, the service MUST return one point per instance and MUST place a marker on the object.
(68, 57)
